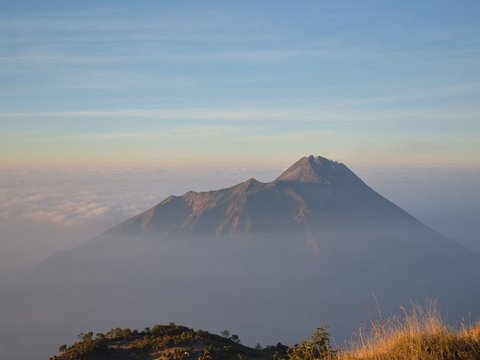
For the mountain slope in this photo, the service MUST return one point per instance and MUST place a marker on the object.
(313, 191)
(313, 201)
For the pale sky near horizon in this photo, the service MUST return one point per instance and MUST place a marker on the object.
(250, 83)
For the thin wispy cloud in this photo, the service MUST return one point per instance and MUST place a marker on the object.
(56, 55)
(259, 114)
(176, 133)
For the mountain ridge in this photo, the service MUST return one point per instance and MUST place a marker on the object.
(313, 189)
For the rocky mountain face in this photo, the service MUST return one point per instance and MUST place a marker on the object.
(313, 192)
(270, 261)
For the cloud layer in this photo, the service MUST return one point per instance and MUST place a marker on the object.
(46, 211)
(75, 198)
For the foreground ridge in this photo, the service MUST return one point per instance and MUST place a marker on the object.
(421, 334)
(165, 342)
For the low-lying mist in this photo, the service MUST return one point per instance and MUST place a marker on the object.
(42, 211)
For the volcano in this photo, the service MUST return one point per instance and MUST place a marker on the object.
(270, 261)
(316, 203)
(314, 193)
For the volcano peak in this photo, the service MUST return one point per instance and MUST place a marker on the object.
(311, 169)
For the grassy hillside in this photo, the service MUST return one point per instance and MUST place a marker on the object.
(421, 334)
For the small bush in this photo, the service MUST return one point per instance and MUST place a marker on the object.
(315, 348)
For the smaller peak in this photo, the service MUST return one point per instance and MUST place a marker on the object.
(167, 199)
(252, 181)
(247, 185)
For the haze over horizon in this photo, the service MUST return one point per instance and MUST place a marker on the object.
(51, 210)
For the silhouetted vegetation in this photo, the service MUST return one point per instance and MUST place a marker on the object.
(166, 342)
(421, 334)
(317, 347)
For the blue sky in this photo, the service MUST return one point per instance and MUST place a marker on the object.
(216, 83)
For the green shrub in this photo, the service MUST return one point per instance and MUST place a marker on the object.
(317, 347)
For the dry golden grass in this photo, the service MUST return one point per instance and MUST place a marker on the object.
(421, 334)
